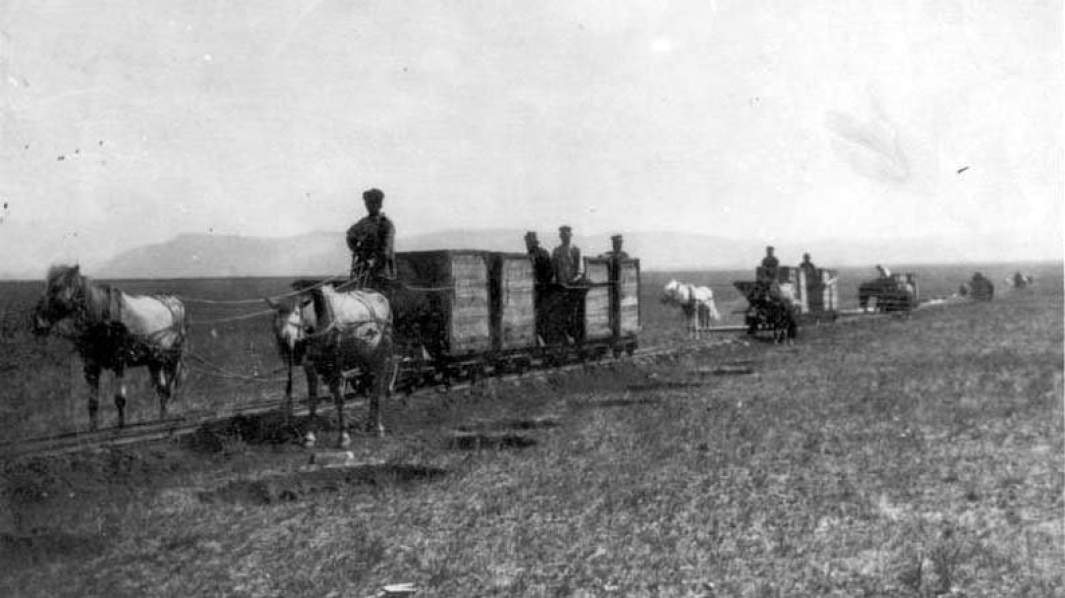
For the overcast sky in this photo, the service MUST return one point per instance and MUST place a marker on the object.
(128, 122)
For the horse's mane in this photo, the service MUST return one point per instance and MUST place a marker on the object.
(304, 284)
(62, 274)
(56, 271)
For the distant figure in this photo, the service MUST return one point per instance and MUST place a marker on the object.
(566, 259)
(1019, 280)
(982, 289)
(809, 268)
(543, 270)
(615, 252)
(373, 257)
(769, 265)
(883, 272)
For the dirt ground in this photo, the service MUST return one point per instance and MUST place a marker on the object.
(898, 457)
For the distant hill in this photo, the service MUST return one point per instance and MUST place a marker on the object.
(206, 255)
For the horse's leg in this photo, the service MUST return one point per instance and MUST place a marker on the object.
(312, 388)
(167, 383)
(336, 387)
(120, 392)
(286, 404)
(311, 374)
(379, 383)
(92, 376)
(160, 374)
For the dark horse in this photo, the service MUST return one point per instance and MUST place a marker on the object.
(333, 334)
(769, 309)
(113, 330)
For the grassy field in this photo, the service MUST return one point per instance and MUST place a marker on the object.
(896, 457)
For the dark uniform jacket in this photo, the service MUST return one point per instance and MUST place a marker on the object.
(567, 264)
(543, 271)
(371, 240)
(768, 271)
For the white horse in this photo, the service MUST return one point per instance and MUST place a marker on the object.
(697, 303)
(335, 334)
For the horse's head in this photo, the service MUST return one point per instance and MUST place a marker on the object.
(64, 294)
(670, 292)
(294, 320)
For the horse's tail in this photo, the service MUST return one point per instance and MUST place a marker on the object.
(714, 314)
(183, 342)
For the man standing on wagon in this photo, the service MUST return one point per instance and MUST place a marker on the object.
(566, 259)
(371, 240)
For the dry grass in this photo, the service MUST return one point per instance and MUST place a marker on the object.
(907, 457)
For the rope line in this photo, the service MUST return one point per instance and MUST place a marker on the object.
(220, 372)
(293, 293)
(254, 314)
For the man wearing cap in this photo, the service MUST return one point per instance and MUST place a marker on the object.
(768, 271)
(371, 243)
(615, 252)
(566, 258)
(543, 270)
(809, 268)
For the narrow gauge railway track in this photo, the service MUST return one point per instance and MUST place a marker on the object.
(176, 427)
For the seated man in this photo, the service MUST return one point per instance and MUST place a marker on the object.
(768, 270)
(373, 258)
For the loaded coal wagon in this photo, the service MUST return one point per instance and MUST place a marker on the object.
(468, 313)
(898, 292)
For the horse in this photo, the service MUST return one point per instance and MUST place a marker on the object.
(773, 307)
(352, 331)
(294, 323)
(696, 302)
(113, 330)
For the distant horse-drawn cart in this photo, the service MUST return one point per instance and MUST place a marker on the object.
(895, 293)
(780, 301)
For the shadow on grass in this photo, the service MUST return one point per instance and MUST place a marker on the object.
(467, 441)
(259, 429)
(608, 403)
(536, 423)
(41, 546)
(302, 485)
